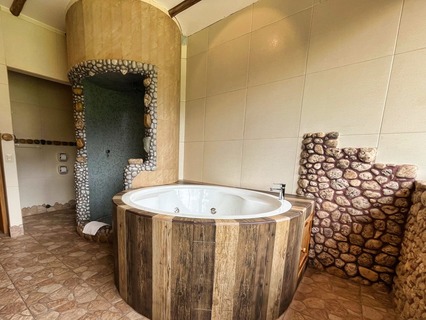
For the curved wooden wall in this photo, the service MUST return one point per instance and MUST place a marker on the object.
(135, 30)
(168, 267)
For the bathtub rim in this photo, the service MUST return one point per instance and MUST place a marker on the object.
(300, 206)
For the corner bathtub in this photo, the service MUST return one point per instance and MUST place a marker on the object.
(206, 252)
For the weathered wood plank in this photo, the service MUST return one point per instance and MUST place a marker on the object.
(291, 262)
(161, 267)
(17, 6)
(122, 251)
(277, 274)
(202, 274)
(224, 269)
(182, 249)
(182, 7)
(251, 270)
(198, 314)
(139, 257)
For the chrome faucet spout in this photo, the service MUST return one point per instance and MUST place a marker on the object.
(281, 189)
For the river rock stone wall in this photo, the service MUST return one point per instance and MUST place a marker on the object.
(361, 208)
(410, 280)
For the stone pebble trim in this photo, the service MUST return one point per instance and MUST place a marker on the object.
(410, 282)
(81, 172)
(360, 211)
(45, 142)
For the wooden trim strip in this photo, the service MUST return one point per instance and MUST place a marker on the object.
(181, 7)
(122, 251)
(4, 221)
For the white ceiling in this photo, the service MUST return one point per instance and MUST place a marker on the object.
(199, 16)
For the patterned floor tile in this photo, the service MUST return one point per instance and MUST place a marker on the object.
(52, 273)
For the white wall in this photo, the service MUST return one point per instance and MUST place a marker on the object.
(259, 79)
(30, 47)
(42, 109)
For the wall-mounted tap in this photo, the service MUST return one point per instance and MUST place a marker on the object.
(281, 189)
(107, 152)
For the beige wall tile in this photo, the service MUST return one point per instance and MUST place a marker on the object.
(412, 32)
(6, 117)
(359, 141)
(33, 191)
(279, 50)
(222, 162)
(23, 88)
(225, 116)
(65, 193)
(14, 206)
(57, 124)
(348, 99)
(2, 55)
(406, 104)
(196, 77)
(404, 148)
(55, 96)
(194, 120)
(231, 28)
(193, 166)
(29, 160)
(345, 32)
(33, 48)
(198, 42)
(273, 110)
(268, 11)
(227, 66)
(268, 161)
(9, 166)
(27, 120)
(3, 74)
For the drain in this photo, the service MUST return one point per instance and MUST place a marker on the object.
(176, 210)
(213, 210)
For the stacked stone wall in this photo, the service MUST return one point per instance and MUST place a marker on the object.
(410, 280)
(361, 208)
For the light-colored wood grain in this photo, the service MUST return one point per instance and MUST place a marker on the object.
(162, 265)
(277, 270)
(224, 270)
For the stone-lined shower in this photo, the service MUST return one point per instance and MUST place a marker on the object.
(78, 75)
(119, 40)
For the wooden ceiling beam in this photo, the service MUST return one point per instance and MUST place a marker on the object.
(17, 7)
(180, 7)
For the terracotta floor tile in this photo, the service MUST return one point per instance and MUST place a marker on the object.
(52, 273)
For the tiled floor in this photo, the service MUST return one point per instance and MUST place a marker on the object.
(52, 273)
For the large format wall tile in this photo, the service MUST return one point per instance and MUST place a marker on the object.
(406, 103)
(273, 109)
(400, 148)
(412, 32)
(348, 99)
(279, 50)
(222, 162)
(345, 32)
(194, 120)
(225, 30)
(227, 66)
(193, 166)
(268, 161)
(196, 77)
(223, 116)
(269, 11)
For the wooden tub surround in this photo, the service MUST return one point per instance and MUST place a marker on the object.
(169, 267)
